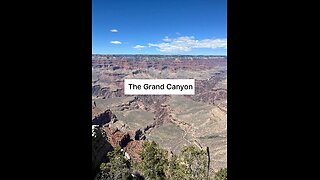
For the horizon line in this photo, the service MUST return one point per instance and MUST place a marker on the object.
(163, 54)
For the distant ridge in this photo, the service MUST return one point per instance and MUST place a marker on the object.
(175, 55)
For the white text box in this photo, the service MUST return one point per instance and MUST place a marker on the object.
(159, 87)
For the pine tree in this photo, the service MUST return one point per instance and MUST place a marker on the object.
(154, 161)
(117, 168)
(191, 164)
(175, 170)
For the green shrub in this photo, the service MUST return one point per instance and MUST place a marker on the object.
(117, 168)
(221, 174)
(154, 161)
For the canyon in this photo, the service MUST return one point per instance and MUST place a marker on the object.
(173, 121)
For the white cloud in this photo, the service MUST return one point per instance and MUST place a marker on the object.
(177, 33)
(115, 42)
(167, 39)
(139, 47)
(114, 30)
(187, 43)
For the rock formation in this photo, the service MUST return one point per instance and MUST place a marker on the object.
(104, 118)
(100, 148)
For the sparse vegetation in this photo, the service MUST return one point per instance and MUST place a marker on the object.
(190, 164)
(156, 164)
(117, 168)
(154, 161)
(221, 174)
(195, 162)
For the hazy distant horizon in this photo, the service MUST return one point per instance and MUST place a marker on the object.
(129, 54)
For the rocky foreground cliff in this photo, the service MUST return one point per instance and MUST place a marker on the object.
(106, 136)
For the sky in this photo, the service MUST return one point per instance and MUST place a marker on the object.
(186, 27)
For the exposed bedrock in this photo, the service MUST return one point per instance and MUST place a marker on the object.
(105, 92)
(172, 63)
(100, 148)
(104, 118)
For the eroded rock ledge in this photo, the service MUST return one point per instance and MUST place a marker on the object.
(105, 137)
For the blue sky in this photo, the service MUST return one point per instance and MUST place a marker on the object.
(159, 27)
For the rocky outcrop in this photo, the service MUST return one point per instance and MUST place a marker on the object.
(100, 148)
(96, 90)
(104, 118)
(133, 149)
(116, 137)
(106, 92)
(139, 135)
(131, 141)
(106, 136)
